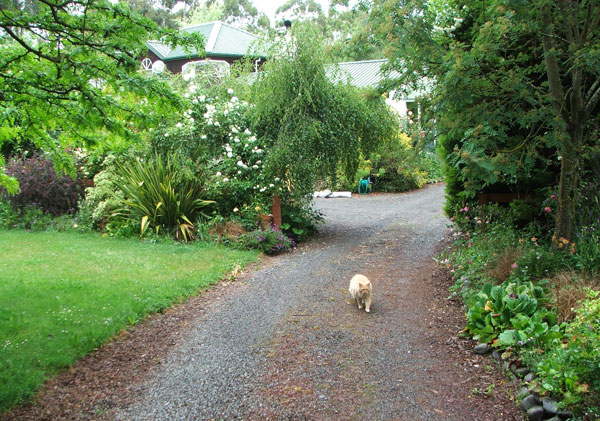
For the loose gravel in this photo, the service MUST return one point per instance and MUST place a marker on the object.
(290, 346)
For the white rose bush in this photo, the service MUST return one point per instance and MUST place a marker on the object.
(236, 178)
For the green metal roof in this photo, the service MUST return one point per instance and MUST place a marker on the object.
(364, 74)
(221, 39)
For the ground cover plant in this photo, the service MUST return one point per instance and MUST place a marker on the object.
(536, 302)
(63, 294)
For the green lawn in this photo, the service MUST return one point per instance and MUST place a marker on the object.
(64, 294)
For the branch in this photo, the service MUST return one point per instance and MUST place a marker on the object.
(27, 47)
(593, 98)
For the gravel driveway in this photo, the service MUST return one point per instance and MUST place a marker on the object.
(289, 345)
(284, 342)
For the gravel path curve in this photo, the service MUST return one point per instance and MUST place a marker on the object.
(288, 344)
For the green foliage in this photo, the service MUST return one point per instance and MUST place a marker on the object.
(157, 201)
(312, 127)
(67, 77)
(33, 219)
(586, 256)
(509, 313)
(502, 274)
(269, 240)
(511, 78)
(400, 167)
(298, 223)
(572, 367)
(103, 199)
(59, 303)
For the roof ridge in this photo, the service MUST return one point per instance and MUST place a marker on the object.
(199, 24)
(364, 61)
(213, 36)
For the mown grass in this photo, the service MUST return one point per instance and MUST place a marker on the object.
(64, 294)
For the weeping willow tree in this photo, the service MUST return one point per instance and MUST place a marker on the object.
(313, 127)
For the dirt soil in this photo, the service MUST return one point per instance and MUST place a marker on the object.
(306, 352)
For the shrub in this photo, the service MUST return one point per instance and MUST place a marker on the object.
(155, 200)
(103, 199)
(41, 187)
(571, 368)
(299, 222)
(587, 252)
(236, 169)
(269, 240)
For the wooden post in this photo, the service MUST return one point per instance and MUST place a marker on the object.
(276, 211)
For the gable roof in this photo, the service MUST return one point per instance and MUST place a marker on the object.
(365, 74)
(221, 39)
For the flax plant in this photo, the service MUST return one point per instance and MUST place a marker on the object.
(158, 200)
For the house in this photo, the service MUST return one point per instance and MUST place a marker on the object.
(224, 45)
(369, 74)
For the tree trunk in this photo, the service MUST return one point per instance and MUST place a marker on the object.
(569, 186)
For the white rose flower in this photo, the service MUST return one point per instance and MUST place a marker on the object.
(229, 154)
(240, 163)
(217, 123)
(225, 179)
(235, 209)
(202, 98)
(277, 179)
(271, 185)
(203, 137)
(194, 101)
(179, 125)
(230, 91)
(255, 166)
(218, 174)
(236, 140)
(247, 131)
(166, 134)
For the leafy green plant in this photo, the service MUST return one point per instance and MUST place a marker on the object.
(571, 368)
(103, 198)
(497, 309)
(34, 219)
(156, 201)
(587, 253)
(299, 222)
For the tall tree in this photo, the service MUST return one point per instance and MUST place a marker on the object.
(517, 85)
(161, 16)
(68, 69)
(571, 40)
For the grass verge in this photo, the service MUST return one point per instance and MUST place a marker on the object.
(64, 294)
